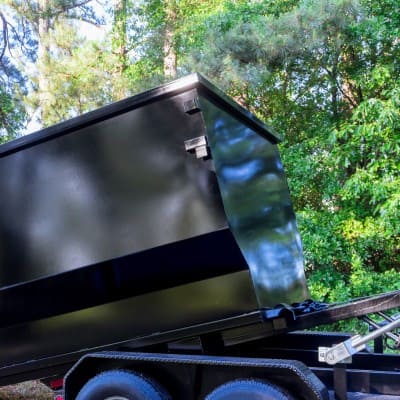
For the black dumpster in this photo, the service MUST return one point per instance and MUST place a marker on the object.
(164, 210)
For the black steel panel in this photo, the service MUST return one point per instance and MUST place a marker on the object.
(132, 275)
(127, 319)
(120, 186)
(258, 206)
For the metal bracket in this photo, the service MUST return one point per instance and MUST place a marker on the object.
(192, 106)
(198, 146)
(343, 351)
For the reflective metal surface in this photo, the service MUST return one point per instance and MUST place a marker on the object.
(127, 319)
(203, 257)
(112, 188)
(258, 206)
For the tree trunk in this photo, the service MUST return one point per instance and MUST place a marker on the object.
(119, 48)
(335, 90)
(43, 59)
(352, 93)
(170, 57)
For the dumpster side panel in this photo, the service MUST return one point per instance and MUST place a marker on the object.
(167, 266)
(119, 186)
(258, 206)
(115, 324)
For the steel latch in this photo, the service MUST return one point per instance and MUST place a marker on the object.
(198, 146)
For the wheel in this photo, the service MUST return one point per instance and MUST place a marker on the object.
(248, 389)
(121, 385)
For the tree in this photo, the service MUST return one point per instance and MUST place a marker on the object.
(170, 56)
(12, 85)
(42, 17)
(166, 31)
(120, 47)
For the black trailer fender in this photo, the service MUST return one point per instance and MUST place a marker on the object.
(191, 377)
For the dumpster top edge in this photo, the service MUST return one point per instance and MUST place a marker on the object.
(192, 81)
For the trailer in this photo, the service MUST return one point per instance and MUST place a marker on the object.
(149, 250)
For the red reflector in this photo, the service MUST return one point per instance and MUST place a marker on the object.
(57, 384)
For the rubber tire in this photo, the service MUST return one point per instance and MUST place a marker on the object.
(121, 385)
(248, 389)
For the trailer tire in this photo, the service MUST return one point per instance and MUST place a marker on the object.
(121, 385)
(248, 389)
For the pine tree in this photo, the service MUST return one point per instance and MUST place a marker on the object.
(12, 85)
(42, 16)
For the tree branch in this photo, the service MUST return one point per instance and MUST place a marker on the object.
(335, 82)
(68, 7)
(5, 35)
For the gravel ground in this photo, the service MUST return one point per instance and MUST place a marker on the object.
(33, 390)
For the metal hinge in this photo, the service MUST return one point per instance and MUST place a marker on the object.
(198, 146)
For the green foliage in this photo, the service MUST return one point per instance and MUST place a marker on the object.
(330, 286)
(288, 69)
(356, 243)
(12, 83)
(12, 115)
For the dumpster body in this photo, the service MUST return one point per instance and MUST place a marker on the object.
(112, 223)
